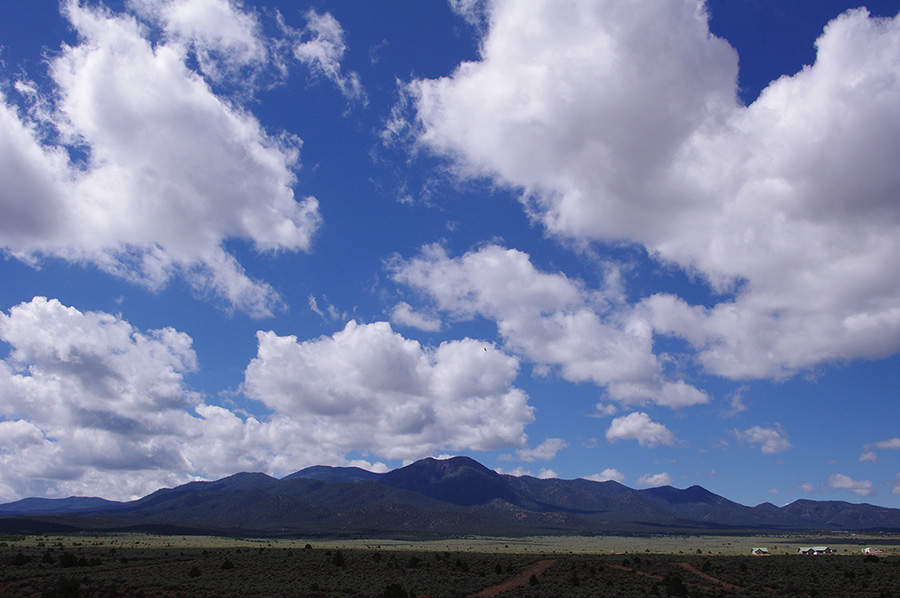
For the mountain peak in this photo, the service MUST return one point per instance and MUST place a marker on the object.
(458, 480)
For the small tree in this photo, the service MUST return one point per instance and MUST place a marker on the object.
(674, 585)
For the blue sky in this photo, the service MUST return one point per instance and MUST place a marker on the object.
(652, 242)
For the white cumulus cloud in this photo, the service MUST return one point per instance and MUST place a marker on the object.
(869, 453)
(638, 426)
(590, 335)
(769, 440)
(170, 170)
(786, 206)
(368, 388)
(92, 406)
(545, 451)
(839, 481)
(655, 479)
(404, 315)
(607, 475)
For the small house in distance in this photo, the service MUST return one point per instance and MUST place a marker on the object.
(871, 550)
(760, 551)
(815, 550)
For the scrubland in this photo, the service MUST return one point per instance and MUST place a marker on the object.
(143, 565)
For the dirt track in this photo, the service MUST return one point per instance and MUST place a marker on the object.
(520, 579)
(692, 569)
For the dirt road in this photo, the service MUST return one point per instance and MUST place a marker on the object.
(520, 579)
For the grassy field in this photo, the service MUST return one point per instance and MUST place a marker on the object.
(142, 565)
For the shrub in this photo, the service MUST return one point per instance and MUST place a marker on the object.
(338, 559)
(227, 564)
(65, 588)
(674, 585)
(194, 572)
(395, 590)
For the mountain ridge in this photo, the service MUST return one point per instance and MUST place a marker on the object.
(431, 497)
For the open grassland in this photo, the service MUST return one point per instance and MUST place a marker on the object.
(704, 566)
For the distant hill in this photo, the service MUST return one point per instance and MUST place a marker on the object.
(430, 498)
(73, 504)
(335, 474)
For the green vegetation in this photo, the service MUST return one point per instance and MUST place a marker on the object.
(136, 565)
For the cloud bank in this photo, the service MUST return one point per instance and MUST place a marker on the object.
(85, 397)
(621, 124)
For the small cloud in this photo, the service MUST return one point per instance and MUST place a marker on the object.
(323, 51)
(330, 312)
(638, 426)
(543, 452)
(607, 475)
(404, 315)
(655, 479)
(840, 481)
(869, 449)
(893, 443)
(378, 467)
(772, 490)
(895, 487)
(314, 307)
(606, 410)
(806, 488)
(769, 440)
(870, 456)
(517, 472)
(737, 402)
(547, 474)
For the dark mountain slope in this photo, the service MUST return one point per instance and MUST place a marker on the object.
(432, 498)
(72, 504)
(834, 514)
(458, 481)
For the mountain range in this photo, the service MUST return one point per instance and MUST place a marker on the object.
(430, 498)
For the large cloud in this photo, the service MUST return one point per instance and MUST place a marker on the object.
(551, 319)
(89, 405)
(85, 397)
(368, 388)
(619, 122)
(132, 163)
(86, 392)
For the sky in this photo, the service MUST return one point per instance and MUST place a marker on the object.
(649, 241)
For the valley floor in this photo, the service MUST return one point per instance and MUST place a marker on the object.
(138, 565)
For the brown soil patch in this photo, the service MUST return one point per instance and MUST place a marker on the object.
(696, 571)
(519, 579)
(632, 569)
